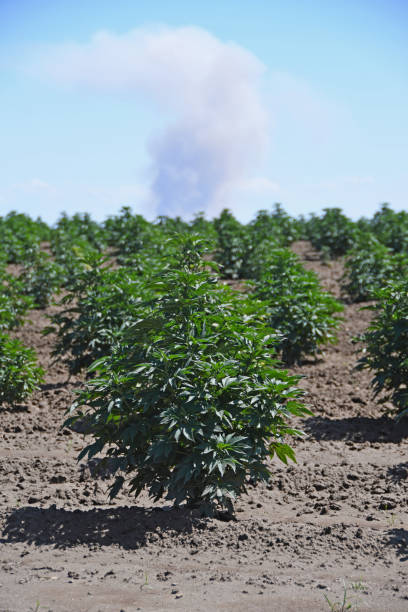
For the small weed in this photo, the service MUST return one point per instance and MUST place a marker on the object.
(358, 586)
(345, 603)
(390, 518)
(145, 583)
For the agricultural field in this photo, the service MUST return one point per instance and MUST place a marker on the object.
(200, 359)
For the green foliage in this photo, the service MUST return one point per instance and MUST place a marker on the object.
(200, 225)
(232, 245)
(73, 237)
(190, 403)
(19, 234)
(386, 344)
(169, 225)
(258, 258)
(242, 250)
(297, 306)
(19, 372)
(391, 228)
(13, 303)
(368, 266)
(68, 257)
(129, 234)
(41, 278)
(275, 226)
(333, 231)
(99, 304)
(79, 229)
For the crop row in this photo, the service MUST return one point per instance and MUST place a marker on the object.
(186, 392)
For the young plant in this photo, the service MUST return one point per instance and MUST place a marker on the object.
(368, 267)
(232, 247)
(41, 278)
(100, 303)
(13, 303)
(297, 306)
(386, 344)
(79, 229)
(342, 605)
(191, 402)
(19, 234)
(128, 234)
(200, 225)
(276, 226)
(333, 231)
(391, 228)
(19, 372)
(258, 257)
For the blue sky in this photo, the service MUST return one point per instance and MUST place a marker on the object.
(176, 107)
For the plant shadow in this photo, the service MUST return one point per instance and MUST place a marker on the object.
(357, 429)
(58, 385)
(14, 408)
(398, 472)
(398, 539)
(129, 527)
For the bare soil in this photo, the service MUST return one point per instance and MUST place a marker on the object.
(334, 525)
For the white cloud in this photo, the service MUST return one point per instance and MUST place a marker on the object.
(35, 186)
(210, 90)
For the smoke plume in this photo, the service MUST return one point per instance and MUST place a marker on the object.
(216, 126)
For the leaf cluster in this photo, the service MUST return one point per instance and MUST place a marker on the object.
(276, 226)
(191, 402)
(128, 235)
(332, 232)
(18, 234)
(232, 245)
(14, 304)
(19, 373)
(298, 308)
(386, 344)
(98, 304)
(242, 250)
(80, 229)
(41, 278)
(369, 265)
(391, 228)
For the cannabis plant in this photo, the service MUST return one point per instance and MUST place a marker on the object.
(19, 373)
(333, 231)
(368, 267)
(275, 225)
(19, 233)
(191, 402)
(128, 234)
(232, 245)
(99, 304)
(391, 228)
(13, 303)
(298, 308)
(386, 344)
(41, 278)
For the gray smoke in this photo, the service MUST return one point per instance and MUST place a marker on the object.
(216, 130)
